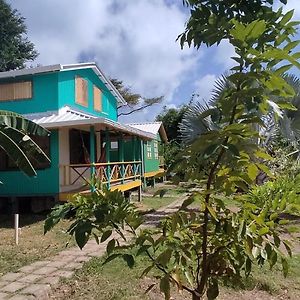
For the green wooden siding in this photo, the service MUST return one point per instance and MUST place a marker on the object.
(44, 95)
(16, 183)
(150, 164)
(67, 93)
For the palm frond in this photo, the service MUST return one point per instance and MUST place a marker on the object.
(197, 120)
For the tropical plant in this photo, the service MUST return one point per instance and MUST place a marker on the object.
(197, 249)
(283, 191)
(16, 141)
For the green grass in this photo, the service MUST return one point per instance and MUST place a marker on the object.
(33, 244)
(115, 281)
(154, 203)
(293, 229)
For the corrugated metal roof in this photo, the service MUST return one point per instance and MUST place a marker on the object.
(68, 117)
(151, 127)
(59, 68)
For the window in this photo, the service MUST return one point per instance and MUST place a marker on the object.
(114, 145)
(149, 150)
(155, 150)
(43, 141)
(97, 99)
(81, 91)
(16, 90)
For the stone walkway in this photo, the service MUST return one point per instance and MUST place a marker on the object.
(35, 281)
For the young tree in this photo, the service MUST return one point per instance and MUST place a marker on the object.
(135, 102)
(15, 49)
(196, 250)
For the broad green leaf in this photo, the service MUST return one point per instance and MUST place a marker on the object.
(129, 260)
(106, 235)
(252, 171)
(164, 286)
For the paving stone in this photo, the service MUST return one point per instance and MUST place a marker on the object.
(28, 269)
(13, 287)
(52, 280)
(40, 291)
(64, 258)
(3, 283)
(4, 296)
(11, 276)
(40, 263)
(82, 259)
(45, 270)
(22, 297)
(57, 264)
(73, 266)
(63, 273)
(71, 252)
(31, 278)
(95, 254)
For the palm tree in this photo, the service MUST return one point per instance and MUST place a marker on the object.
(201, 117)
(16, 141)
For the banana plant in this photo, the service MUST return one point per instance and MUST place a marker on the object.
(16, 141)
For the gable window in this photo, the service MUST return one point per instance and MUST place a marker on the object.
(155, 150)
(15, 90)
(81, 91)
(149, 150)
(97, 99)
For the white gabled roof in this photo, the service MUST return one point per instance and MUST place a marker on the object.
(60, 68)
(151, 127)
(68, 117)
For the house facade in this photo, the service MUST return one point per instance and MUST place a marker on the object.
(78, 104)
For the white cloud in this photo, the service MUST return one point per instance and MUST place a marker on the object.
(205, 85)
(223, 55)
(133, 41)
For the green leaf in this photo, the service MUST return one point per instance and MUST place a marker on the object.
(129, 260)
(285, 266)
(106, 235)
(287, 247)
(283, 69)
(110, 246)
(263, 231)
(212, 212)
(287, 17)
(252, 171)
(212, 289)
(164, 286)
(164, 257)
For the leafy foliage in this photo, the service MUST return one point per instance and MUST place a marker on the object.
(97, 214)
(16, 141)
(282, 192)
(15, 49)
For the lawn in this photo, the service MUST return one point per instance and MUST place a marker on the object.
(153, 203)
(115, 281)
(33, 244)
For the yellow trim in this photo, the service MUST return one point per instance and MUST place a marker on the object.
(64, 197)
(127, 186)
(158, 173)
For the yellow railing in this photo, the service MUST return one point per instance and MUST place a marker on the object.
(106, 173)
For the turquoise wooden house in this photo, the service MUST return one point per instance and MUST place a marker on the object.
(78, 104)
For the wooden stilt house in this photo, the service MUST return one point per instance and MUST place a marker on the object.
(78, 104)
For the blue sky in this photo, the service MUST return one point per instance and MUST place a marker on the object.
(133, 41)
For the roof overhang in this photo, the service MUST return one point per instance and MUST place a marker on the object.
(68, 67)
